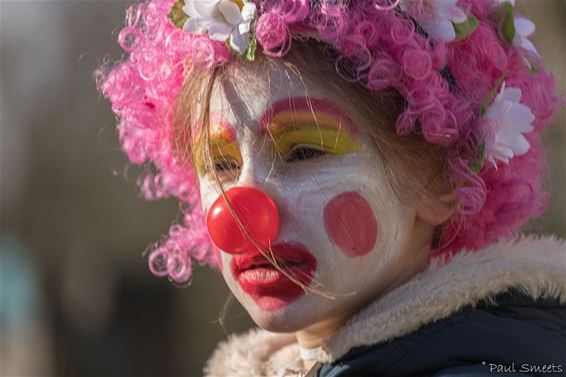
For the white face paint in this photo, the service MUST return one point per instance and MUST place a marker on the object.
(338, 206)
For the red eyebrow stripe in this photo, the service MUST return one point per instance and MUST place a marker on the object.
(220, 128)
(302, 104)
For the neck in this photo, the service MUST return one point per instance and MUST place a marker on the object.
(315, 335)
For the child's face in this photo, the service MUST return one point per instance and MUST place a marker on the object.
(342, 229)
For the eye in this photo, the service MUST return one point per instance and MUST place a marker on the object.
(305, 152)
(226, 164)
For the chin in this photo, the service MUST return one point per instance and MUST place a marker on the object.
(291, 318)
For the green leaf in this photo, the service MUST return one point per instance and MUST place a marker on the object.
(478, 161)
(177, 16)
(466, 28)
(504, 17)
(249, 54)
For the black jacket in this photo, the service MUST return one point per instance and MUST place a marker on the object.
(513, 336)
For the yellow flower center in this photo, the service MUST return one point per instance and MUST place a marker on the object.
(239, 3)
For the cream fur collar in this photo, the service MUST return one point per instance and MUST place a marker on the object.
(534, 265)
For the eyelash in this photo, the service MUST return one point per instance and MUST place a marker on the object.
(304, 152)
(297, 153)
(226, 164)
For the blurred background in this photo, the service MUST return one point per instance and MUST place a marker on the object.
(76, 298)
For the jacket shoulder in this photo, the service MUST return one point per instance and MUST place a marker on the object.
(503, 334)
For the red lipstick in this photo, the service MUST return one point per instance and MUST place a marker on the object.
(268, 286)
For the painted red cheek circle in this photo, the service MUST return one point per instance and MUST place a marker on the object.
(351, 224)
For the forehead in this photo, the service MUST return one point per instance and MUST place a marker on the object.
(248, 90)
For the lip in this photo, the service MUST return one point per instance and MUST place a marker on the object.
(269, 287)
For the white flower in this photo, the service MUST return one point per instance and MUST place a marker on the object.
(223, 20)
(524, 28)
(503, 126)
(499, 2)
(436, 17)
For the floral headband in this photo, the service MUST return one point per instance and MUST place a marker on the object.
(470, 77)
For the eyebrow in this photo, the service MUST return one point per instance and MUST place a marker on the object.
(222, 135)
(312, 106)
(221, 130)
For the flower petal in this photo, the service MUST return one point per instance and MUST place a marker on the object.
(452, 12)
(219, 31)
(244, 28)
(510, 94)
(189, 9)
(529, 46)
(439, 29)
(503, 153)
(495, 113)
(249, 11)
(230, 11)
(204, 8)
(520, 145)
(239, 42)
(522, 118)
(499, 2)
(524, 27)
(195, 26)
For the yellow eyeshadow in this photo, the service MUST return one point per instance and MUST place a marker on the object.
(330, 140)
(222, 150)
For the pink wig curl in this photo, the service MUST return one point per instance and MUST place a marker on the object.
(142, 90)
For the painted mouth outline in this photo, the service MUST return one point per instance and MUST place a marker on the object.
(270, 288)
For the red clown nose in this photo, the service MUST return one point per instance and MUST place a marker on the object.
(257, 212)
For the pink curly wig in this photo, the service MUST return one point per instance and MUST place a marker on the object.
(379, 47)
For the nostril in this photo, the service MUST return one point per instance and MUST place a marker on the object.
(256, 211)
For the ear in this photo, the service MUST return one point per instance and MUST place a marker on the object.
(438, 211)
